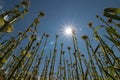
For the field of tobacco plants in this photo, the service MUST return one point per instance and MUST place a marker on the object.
(24, 62)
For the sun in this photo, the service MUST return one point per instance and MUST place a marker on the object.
(68, 30)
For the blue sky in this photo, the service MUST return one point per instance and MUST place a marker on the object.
(60, 12)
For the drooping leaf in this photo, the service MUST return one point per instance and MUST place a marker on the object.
(113, 10)
(112, 13)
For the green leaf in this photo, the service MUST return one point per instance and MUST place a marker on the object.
(112, 13)
(97, 28)
(113, 10)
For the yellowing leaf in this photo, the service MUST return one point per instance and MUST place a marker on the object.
(28, 54)
(8, 28)
(4, 60)
(22, 79)
(16, 78)
(23, 52)
(2, 22)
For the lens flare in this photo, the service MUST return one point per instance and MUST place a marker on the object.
(68, 31)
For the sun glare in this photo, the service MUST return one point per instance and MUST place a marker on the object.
(68, 31)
